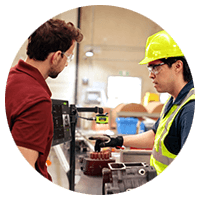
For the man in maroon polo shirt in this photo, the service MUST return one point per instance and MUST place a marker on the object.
(28, 104)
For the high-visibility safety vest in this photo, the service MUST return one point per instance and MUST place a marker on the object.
(161, 157)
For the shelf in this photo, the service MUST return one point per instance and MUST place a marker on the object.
(138, 114)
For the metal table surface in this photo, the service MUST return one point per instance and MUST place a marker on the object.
(89, 185)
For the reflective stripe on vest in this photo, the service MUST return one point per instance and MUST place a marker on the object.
(161, 157)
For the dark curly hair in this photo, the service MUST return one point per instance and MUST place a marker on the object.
(53, 35)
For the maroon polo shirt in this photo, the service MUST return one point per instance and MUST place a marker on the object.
(28, 109)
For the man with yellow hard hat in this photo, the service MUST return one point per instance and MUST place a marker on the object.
(169, 72)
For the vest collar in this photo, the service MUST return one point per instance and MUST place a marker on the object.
(180, 97)
(184, 92)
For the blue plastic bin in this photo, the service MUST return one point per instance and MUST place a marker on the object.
(128, 125)
(142, 128)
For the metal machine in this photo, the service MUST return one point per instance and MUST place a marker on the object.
(61, 121)
(116, 177)
(95, 162)
(65, 118)
(120, 177)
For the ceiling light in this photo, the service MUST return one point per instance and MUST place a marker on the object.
(89, 53)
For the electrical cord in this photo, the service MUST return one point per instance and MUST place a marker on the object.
(91, 118)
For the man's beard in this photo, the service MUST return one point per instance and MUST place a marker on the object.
(53, 73)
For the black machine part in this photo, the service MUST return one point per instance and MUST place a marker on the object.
(61, 121)
(65, 117)
(120, 177)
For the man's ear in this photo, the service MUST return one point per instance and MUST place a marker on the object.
(56, 57)
(178, 65)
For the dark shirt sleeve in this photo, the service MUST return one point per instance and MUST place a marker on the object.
(155, 126)
(186, 121)
(30, 129)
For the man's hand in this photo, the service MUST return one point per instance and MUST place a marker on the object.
(106, 141)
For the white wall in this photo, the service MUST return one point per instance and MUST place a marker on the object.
(118, 37)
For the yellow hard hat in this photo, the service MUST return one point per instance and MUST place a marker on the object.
(160, 45)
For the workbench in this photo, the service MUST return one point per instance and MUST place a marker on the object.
(93, 184)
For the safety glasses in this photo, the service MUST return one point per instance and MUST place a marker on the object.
(69, 57)
(155, 69)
